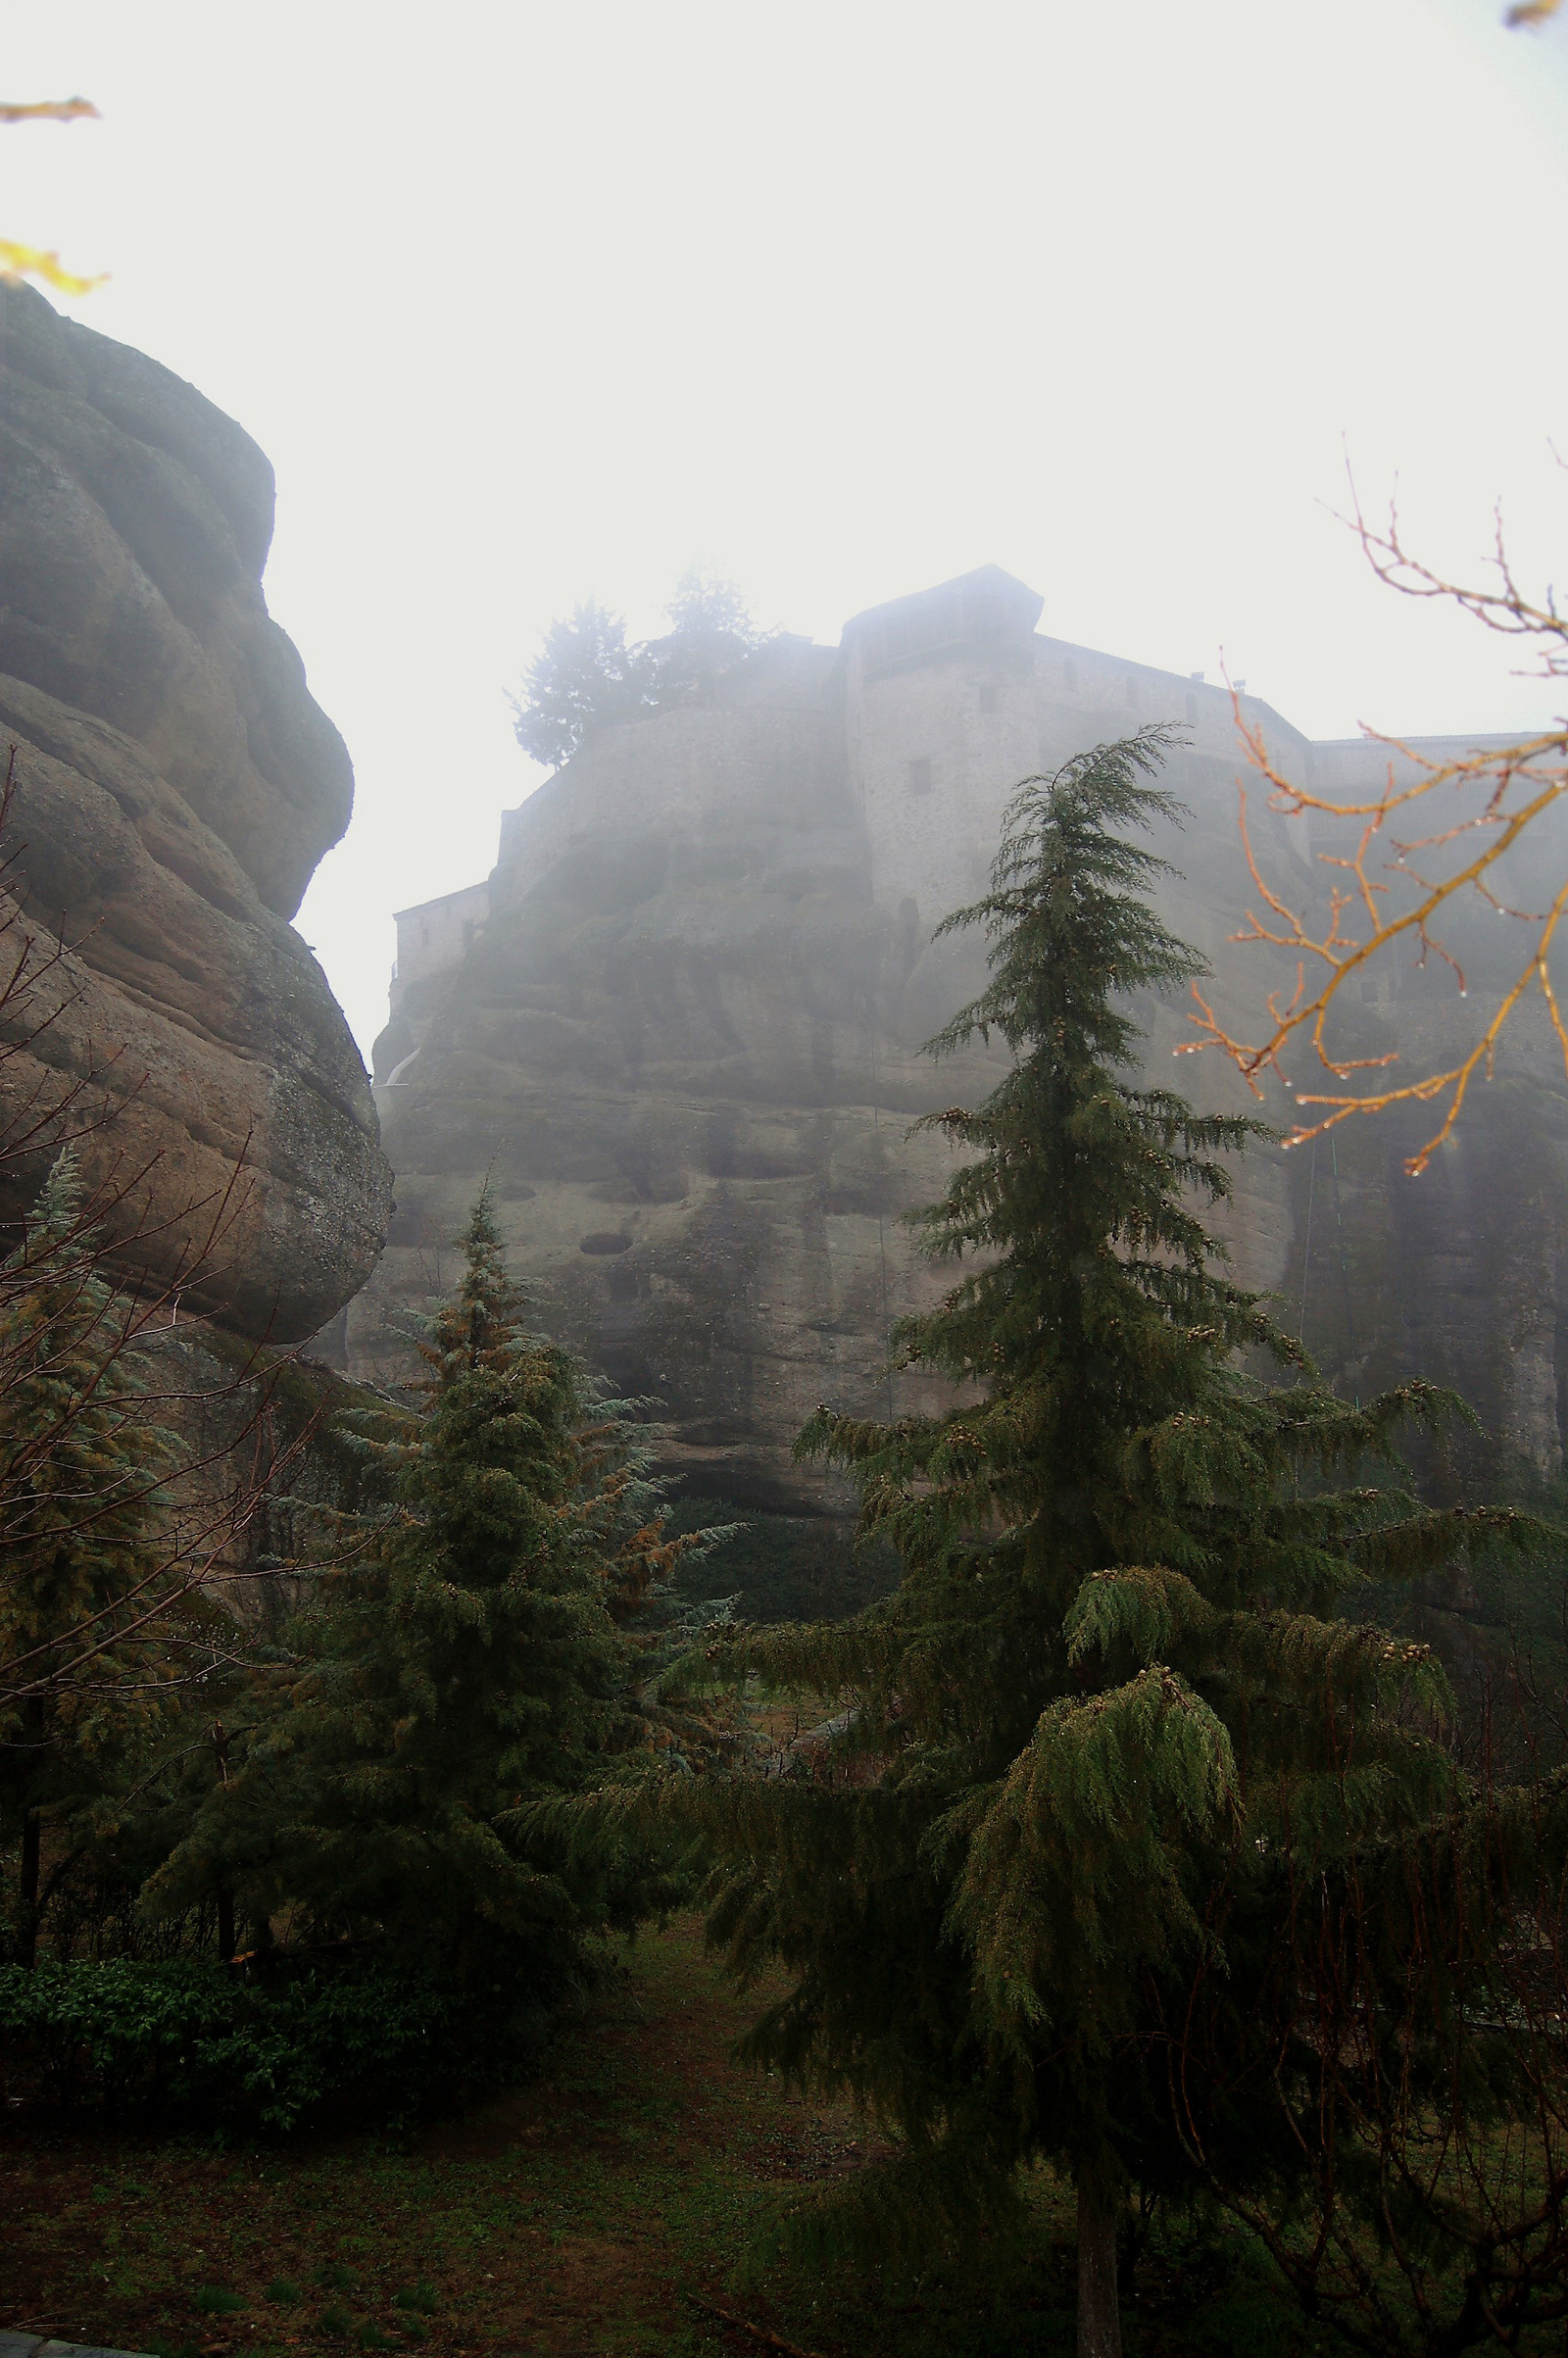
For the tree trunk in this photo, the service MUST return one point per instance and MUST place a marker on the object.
(225, 1897)
(1098, 2307)
(27, 1927)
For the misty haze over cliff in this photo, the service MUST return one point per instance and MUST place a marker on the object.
(527, 304)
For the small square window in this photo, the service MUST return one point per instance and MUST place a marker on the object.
(990, 700)
(920, 775)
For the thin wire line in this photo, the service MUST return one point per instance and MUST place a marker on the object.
(1344, 1268)
(1307, 1250)
(881, 1233)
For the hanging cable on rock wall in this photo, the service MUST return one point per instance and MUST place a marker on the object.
(881, 1230)
(1345, 1264)
(1306, 1250)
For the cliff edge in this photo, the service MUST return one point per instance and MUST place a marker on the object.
(177, 785)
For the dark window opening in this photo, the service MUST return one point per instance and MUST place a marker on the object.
(920, 775)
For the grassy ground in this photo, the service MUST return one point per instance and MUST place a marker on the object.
(587, 2216)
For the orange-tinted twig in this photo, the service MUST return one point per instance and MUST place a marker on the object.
(1503, 794)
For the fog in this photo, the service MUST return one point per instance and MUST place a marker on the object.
(527, 304)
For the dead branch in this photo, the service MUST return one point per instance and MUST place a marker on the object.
(1386, 898)
(744, 2325)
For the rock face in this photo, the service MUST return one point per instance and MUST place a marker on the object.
(177, 785)
(681, 1031)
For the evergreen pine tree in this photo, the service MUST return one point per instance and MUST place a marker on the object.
(463, 1672)
(705, 605)
(1116, 1675)
(584, 679)
(85, 1557)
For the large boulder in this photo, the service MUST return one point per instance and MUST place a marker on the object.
(175, 785)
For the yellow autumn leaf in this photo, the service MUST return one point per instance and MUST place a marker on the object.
(47, 109)
(17, 262)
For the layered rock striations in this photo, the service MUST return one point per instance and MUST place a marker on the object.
(175, 786)
(680, 1029)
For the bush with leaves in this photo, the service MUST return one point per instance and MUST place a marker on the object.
(194, 2042)
(1114, 1682)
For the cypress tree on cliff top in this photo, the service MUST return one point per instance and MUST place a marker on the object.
(1114, 1678)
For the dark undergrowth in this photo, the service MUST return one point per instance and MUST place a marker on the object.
(188, 2042)
(604, 2210)
(783, 1567)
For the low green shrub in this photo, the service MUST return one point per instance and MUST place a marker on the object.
(422, 2297)
(200, 2042)
(215, 2300)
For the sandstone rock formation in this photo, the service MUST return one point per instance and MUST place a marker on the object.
(682, 1032)
(176, 786)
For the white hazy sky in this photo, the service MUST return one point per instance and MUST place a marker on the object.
(532, 302)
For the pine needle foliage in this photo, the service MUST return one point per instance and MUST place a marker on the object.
(464, 1668)
(583, 679)
(86, 1564)
(1115, 1676)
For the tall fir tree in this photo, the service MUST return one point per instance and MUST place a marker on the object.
(705, 605)
(583, 679)
(88, 1569)
(464, 1669)
(1115, 1676)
